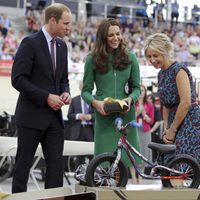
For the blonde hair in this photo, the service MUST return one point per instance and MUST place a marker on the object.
(161, 43)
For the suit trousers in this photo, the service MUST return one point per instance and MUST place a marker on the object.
(86, 133)
(52, 142)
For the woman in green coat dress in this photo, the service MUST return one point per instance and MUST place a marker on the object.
(108, 68)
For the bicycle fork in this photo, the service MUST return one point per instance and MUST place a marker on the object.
(115, 164)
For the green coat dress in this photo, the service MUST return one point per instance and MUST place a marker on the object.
(111, 84)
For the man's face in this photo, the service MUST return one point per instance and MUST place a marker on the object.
(63, 27)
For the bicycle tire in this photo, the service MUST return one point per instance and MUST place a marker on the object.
(186, 164)
(97, 173)
(6, 168)
(74, 161)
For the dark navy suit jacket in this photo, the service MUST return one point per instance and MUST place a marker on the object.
(34, 78)
(74, 109)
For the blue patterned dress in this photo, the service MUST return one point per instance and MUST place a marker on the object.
(187, 138)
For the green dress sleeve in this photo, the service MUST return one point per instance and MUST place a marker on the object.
(88, 80)
(135, 77)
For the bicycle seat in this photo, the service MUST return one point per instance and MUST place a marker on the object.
(164, 148)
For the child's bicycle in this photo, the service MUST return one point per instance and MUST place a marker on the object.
(108, 170)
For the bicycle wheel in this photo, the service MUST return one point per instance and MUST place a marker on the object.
(190, 169)
(6, 168)
(98, 172)
(74, 161)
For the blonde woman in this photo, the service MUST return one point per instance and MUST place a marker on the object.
(181, 113)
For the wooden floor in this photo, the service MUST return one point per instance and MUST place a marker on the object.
(142, 192)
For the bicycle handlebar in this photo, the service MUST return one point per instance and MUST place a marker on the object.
(136, 124)
(119, 122)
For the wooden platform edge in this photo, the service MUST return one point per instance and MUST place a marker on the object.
(159, 194)
(39, 194)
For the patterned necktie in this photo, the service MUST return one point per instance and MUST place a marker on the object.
(53, 54)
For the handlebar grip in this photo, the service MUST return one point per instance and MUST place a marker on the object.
(118, 122)
(136, 124)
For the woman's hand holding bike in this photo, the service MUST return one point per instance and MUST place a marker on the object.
(169, 136)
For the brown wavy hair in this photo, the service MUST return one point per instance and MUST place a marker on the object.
(100, 52)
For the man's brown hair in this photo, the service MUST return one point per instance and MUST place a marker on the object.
(55, 10)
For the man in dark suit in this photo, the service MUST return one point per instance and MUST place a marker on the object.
(81, 118)
(40, 74)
